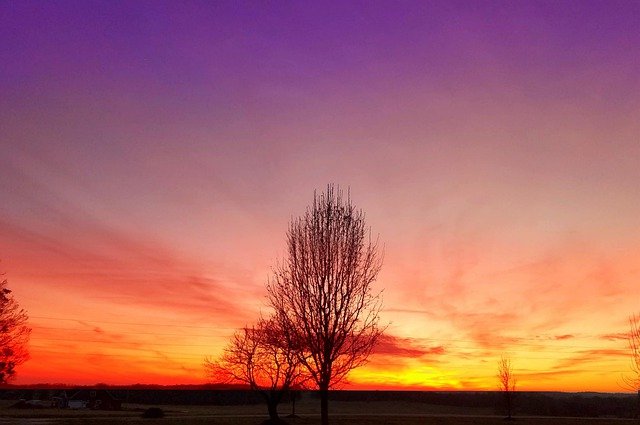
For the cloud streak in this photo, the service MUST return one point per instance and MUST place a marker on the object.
(399, 347)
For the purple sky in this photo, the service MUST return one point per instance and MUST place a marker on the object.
(493, 145)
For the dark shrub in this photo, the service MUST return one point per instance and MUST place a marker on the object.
(153, 412)
(274, 422)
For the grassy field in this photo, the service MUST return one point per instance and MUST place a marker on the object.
(304, 421)
(342, 413)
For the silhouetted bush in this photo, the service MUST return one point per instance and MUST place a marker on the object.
(153, 413)
(20, 404)
(275, 422)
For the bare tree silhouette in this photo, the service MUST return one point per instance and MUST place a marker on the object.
(506, 383)
(14, 334)
(633, 337)
(262, 358)
(322, 292)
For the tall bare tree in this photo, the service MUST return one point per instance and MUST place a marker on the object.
(14, 334)
(632, 382)
(322, 291)
(506, 383)
(262, 358)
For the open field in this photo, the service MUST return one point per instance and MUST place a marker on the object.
(343, 413)
(315, 420)
(337, 420)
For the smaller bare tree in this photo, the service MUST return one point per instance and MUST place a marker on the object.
(262, 358)
(506, 383)
(632, 382)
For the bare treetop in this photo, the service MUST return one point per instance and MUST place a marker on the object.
(259, 357)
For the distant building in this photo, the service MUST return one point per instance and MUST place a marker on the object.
(94, 399)
(77, 404)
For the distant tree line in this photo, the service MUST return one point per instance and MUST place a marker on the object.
(529, 403)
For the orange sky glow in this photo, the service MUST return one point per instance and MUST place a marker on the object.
(150, 161)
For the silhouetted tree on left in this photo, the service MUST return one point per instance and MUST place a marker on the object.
(263, 358)
(14, 333)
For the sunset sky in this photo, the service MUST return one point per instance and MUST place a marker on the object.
(152, 155)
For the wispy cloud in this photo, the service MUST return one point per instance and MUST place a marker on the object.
(617, 336)
(398, 347)
(563, 337)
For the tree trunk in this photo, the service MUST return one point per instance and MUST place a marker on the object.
(272, 405)
(294, 395)
(324, 404)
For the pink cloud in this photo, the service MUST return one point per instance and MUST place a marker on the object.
(131, 273)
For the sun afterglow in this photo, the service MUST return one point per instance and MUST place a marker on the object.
(152, 158)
